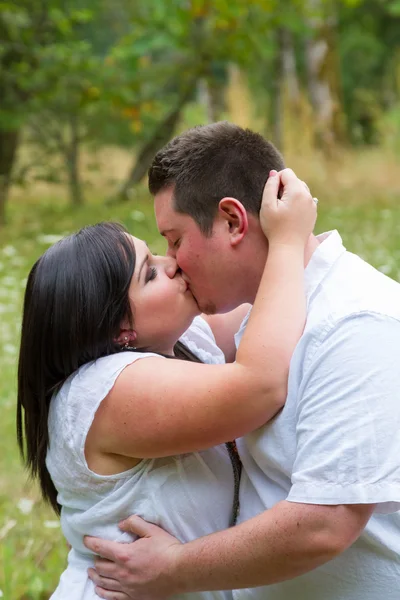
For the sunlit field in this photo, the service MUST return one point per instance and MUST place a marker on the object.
(359, 195)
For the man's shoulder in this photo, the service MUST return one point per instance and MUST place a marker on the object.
(352, 287)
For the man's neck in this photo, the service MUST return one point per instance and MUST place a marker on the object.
(310, 248)
(255, 273)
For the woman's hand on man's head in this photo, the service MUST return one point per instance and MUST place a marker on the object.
(288, 210)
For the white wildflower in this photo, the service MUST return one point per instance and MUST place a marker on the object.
(10, 349)
(51, 524)
(9, 251)
(25, 505)
(11, 281)
(7, 527)
(138, 216)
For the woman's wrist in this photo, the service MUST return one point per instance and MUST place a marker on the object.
(293, 247)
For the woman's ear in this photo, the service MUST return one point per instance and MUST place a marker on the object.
(235, 215)
(126, 337)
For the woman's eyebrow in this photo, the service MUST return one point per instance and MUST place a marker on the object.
(146, 258)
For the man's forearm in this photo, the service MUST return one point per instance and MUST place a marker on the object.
(281, 543)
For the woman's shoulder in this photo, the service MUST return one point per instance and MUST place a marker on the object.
(73, 407)
(101, 371)
(82, 392)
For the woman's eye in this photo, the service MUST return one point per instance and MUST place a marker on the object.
(151, 274)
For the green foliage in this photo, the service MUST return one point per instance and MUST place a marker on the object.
(369, 45)
(100, 73)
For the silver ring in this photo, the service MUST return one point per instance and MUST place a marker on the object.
(315, 200)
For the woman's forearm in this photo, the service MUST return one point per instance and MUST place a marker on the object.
(277, 318)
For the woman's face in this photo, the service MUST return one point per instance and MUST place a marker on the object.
(161, 303)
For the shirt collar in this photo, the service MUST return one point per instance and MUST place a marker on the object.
(323, 258)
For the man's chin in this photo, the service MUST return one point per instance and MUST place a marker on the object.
(207, 308)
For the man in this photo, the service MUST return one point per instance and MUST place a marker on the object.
(321, 483)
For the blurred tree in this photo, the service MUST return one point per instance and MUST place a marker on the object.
(324, 74)
(80, 80)
(23, 31)
(41, 61)
(98, 73)
(369, 44)
(187, 42)
(68, 115)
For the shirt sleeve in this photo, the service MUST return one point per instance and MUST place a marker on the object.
(200, 339)
(348, 421)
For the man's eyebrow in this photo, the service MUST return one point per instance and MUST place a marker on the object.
(142, 265)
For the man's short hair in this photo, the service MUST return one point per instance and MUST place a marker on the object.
(209, 162)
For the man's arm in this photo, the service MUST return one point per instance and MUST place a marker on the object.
(279, 544)
(347, 461)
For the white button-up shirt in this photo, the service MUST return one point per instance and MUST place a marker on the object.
(337, 439)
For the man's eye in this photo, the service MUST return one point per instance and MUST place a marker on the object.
(176, 244)
(151, 274)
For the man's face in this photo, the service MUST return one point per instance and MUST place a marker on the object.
(204, 261)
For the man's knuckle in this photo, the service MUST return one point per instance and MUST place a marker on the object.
(119, 574)
(123, 556)
(126, 576)
(96, 547)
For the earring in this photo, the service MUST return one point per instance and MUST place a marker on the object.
(126, 345)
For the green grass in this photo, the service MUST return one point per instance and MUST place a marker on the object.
(32, 549)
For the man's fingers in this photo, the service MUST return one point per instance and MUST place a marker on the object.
(111, 585)
(102, 593)
(106, 568)
(139, 527)
(103, 548)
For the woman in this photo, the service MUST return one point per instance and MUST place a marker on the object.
(113, 428)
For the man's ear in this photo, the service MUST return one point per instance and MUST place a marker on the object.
(234, 213)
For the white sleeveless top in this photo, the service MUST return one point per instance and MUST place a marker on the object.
(189, 495)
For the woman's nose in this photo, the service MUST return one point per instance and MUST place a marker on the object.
(171, 266)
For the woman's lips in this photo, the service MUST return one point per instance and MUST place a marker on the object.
(185, 286)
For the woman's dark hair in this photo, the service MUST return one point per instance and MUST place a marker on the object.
(75, 300)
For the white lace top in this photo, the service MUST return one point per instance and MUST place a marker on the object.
(189, 495)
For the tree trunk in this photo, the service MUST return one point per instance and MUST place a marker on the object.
(162, 134)
(8, 150)
(72, 165)
(324, 78)
(289, 70)
(277, 97)
(207, 95)
(239, 101)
